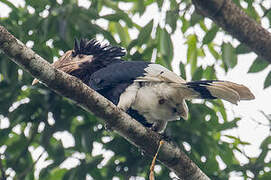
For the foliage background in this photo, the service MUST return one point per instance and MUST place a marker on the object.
(32, 119)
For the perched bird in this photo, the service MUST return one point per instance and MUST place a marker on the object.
(150, 93)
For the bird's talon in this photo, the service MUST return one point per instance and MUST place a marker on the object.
(108, 127)
(153, 128)
(165, 137)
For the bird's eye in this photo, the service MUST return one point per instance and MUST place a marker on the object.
(161, 101)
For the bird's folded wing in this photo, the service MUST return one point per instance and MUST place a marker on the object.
(158, 73)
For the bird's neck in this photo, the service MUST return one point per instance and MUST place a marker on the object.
(86, 70)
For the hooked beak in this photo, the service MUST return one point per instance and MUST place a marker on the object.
(35, 81)
(69, 63)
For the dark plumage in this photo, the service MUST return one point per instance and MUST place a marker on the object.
(150, 93)
(201, 87)
(111, 85)
(93, 47)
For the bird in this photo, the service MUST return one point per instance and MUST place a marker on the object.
(148, 92)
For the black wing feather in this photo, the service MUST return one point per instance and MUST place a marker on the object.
(124, 71)
(112, 80)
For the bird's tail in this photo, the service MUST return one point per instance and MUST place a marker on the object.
(213, 89)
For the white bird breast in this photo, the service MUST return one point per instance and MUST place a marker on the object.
(154, 97)
(154, 102)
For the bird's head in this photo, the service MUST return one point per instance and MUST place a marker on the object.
(87, 57)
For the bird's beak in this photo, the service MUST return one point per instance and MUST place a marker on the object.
(69, 63)
(35, 81)
(57, 64)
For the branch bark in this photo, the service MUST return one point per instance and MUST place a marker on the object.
(232, 19)
(71, 87)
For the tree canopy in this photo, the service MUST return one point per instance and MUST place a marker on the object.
(33, 118)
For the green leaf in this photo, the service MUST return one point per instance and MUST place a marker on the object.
(4, 135)
(139, 6)
(203, 26)
(185, 24)
(132, 44)
(264, 147)
(267, 81)
(259, 64)
(166, 46)
(9, 4)
(229, 56)
(182, 70)
(219, 107)
(192, 47)
(200, 52)
(229, 125)
(171, 19)
(265, 176)
(242, 49)
(266, 142)
(197, 75)
(213, 51)
(162, 62)
(160, 3)
(209, 72)
(58, 173)
(145, 33)
(212, 164)
(86, 141)
(123, 34)
(195, 18)
(210, 35)
(192, 52)
(226, 155)
(119, 16)
(251, 11)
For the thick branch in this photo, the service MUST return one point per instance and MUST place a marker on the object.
(122, 123)
(232, 19)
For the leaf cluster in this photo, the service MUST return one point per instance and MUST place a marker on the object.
(31, 117)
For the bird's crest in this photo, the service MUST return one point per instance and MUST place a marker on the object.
(99, 51)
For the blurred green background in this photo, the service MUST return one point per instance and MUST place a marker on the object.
(45, 136)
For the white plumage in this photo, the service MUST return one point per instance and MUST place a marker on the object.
(160, 95)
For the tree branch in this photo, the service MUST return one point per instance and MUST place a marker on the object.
(232, 19)
(71, 87)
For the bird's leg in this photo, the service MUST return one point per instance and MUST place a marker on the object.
(165, 137)
(159, 126)
(108, 127)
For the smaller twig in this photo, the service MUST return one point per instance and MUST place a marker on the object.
(260, 123)
(266, 12)
(242, 149)
(24, 150)
(24, 173)
(151, 176)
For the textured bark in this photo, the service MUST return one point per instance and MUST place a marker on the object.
(122, 123)
(232, 19)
